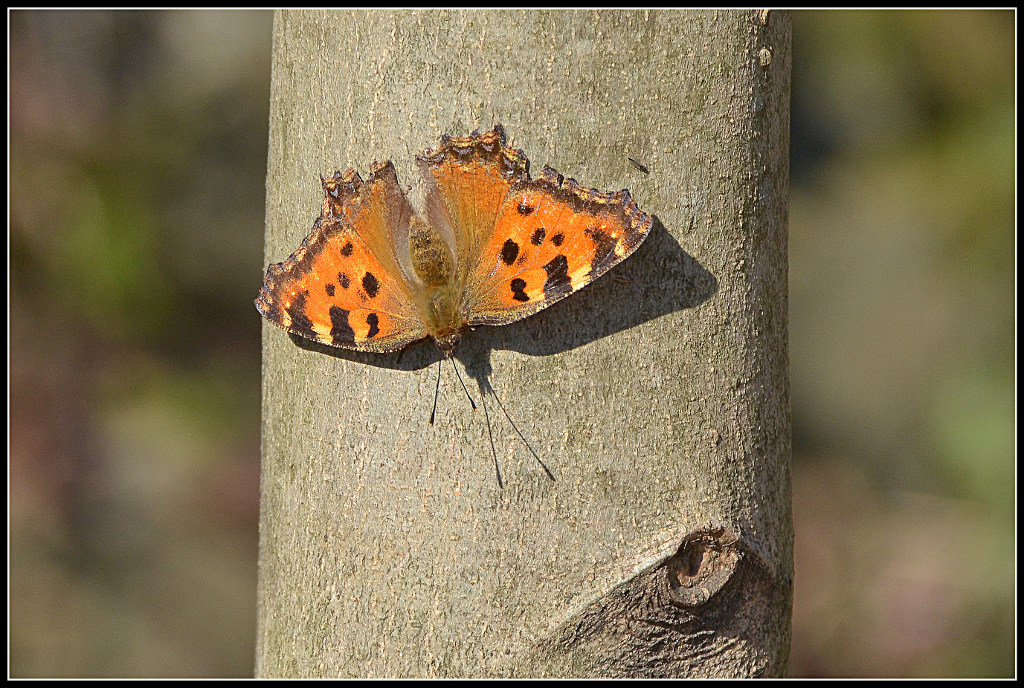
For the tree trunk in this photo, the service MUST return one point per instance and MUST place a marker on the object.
(658, 396)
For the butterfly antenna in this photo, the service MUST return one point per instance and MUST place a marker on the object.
(494, 453)
(516, 428)
(437, 389)
(464, 389)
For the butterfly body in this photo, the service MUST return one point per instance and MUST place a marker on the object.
(439, 296)
(489, 247)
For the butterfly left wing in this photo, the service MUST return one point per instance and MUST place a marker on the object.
(551, 237)
(343, 286)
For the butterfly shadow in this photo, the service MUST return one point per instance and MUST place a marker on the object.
(660, 278)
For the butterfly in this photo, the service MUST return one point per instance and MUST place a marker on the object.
(490, 246)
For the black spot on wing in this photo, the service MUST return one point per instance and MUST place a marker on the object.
(373, 322)
(557, 239)
(524, 208)
(347, 249)
(604, 248)
(341, 332)
(343, 280)
(370, 284)
(537, 238)
(518, 289)
(301, 324)
(509, 252)
(558, 283)
(329, 288)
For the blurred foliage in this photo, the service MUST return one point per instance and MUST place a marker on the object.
(902, 334)
(137, 158)
(137, 166)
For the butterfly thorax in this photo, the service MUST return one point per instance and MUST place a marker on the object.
(439, 295)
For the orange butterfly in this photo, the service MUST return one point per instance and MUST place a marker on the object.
(492, 246)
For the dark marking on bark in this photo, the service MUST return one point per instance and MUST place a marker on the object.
(702, 566)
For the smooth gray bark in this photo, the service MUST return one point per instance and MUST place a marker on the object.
(658, 396)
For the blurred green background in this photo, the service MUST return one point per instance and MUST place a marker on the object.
(137, 165)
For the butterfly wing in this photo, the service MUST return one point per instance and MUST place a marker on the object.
(551, 238)
(522, 244)
(344, 286)
(467, 180)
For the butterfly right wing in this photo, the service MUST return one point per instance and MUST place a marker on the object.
(343, 286)
(522, 244)
(551, 238)
(467, 180)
